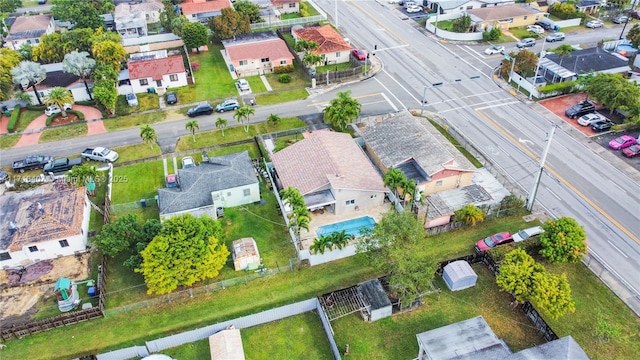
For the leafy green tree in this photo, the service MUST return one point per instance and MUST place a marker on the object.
(228, 24)
(526, 62)
(563, 240)
(147, 232)
(9, 6)
(243, 114)
(273, 120)
(186, 250)
(50, 49)
(311, 60)
(248, 9)
(26, 51)
(167, 15)
(338, 239)
(461, 24)
(81, 39)
(59, 96)
(614, 90)
(107, 95)
(79, 64)
(28, 74)
(563, 51)
(394, 179)
(118, 236)
(516, 274)
(633, 115)
(109, 53)
(83, 14)
(148, 135)
(9, 59)
(562, 10)
(194, 35)
(221, 123)
(552, 294)
(396, 247)
(83, 175)
(634, 35)
(342, 110)
(469, 215)
(191, 127)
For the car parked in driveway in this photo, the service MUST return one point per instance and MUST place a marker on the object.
(359, 54)
(526, 42)
(535, 29)
(622, 142)
(202, 109)
(188, 162)
(579, 109)
(243, 85)
(631, 151)
(55, 109)
(228, 105)
(590, 119)
(556, 36)
(493, 241)
(544, 25)
(172, 181)
(620, 19)
(171, 98)
(603, 125)
(495, 49)
(414, 9)
(132, 99)
(593, 24)
(527, 233)
(3, 176)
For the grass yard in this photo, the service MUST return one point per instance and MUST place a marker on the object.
(8, 141)
(455, 143)
(290, 16)
(26, 117)
(137, 151)
(298, 79)
(445, 25)
(251, 147)
(334, 67)
(123, 285)
(146, 102)
(256, 84)
(282, 96)
(143, 181)
(312, 10)
(63, 132)
(522, 33)
(128, 121)
(284, 141)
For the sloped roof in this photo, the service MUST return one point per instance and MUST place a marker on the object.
(245, 247)
(373, 291)
(27, 27)
(403, 137)
(504, 12)
(156, 68)
(197, 183)
(280, 2)
(257, 45)
(201, 6)
(586, 60)
(327, 38)
(565, 348)
(226, 345)
(454, 4)
(326, 158)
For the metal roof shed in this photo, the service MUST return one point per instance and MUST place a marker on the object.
(459, 275)
(379, 303)
(226, 345)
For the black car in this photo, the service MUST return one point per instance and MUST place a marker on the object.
(171, 98)
(600, 126)
(544, 25)
(581, 108)
(202, 109)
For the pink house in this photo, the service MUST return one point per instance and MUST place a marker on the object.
(256, 53)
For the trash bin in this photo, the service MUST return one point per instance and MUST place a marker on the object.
(143, 202)
(156, 198)
(92, 291)
(231, 68)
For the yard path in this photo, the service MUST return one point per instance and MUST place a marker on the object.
(31, 135)
(4, 121)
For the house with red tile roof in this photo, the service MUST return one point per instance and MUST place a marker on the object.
(43, 223)
(331, 171)
(287, 6)
(160, 74)
(29, 29)
(256, 53)
(203, 10)
(331, 46)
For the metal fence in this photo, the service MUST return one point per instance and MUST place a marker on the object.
(133, 205)
(288, 22)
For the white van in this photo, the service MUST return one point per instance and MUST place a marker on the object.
(410, 3)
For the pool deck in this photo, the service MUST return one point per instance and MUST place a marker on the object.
(327, 217)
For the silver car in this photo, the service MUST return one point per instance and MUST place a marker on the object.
(526, 42)
(243, 85)
(592, 24)
(527, 233)
(590, 119)
(557, 36)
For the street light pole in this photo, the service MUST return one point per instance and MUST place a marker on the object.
(534, 190)
(624, 27)
(535, 74)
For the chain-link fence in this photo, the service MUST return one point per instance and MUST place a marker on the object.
(133, 206)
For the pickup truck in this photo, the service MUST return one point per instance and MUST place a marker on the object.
(99, 154)
(31, 162)
(61, 165)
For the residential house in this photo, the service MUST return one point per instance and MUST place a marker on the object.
(331, 46)
(159, 73)
(287, 6)
(419, 150)
(591, 7)
(460, 6)
(43, 223)
(257, 53)
(56, 77)
(203, 10)
(504, 17)
(558, 69)
(129, 24)
(221, 182)
(331, 171)
(28, 30)
(152, 43)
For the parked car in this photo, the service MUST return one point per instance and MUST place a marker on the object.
(188, 162)
(620, 19)
(495, 49)
(593, 24)
(99, 154)
(414, 9)
(622, 142)
(600, 126)
(202, 109)
(228, 105)
(526, 42)
(527, 233)
(171, 97)
(61, 165)
(359, 54)
(556, 36)
(579, 109)
(55, 109)
(493, 241)
(31, 162)
(172, 181)
(590, 119)
(631, 151)
(544, 25)
(132, 99)
(535, 29)
(635, 14)
(243, 85)
(406, 4)
(3, 176)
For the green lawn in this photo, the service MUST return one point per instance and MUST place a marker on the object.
(137, 151)
(445, 25)
(284, 141)
(310, 8)
(146, 101)
(26, 117)
(251, 147)
(282, 96)
(63, 132)
(256, 84)
(290, 16)
(143, 181)
(522, 33)
(339, 67)
(128, 121)
(8, 141)
(298, 79)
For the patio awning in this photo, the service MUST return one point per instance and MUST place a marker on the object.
(319, 199)
(556, 69)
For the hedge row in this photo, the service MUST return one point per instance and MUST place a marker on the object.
(54, 116)
(13, 121)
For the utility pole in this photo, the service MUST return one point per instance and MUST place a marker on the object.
(534, 190)
(424, 99)
(535, 74)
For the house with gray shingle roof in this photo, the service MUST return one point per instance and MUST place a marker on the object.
(331, 171)
(221, 182)
(416, 148)
(28, 30)
(460, 6)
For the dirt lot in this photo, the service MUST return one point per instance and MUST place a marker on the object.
(19, 294)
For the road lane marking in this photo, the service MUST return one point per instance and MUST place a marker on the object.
(552, 193)
(391, 48)
(481, 58)
(565, 182)
(398, 38)
(496, 105)
(472, 105)
(391, 92)
(618, 186)
(615, 247)
(474, 95)
(389, 101)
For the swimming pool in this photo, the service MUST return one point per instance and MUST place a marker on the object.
(352, 226)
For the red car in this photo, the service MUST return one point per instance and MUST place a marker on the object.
(631, 151)
(493, 241)
(172, 181)
(359, 54)
(622, 142)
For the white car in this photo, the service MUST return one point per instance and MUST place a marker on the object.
(188, 162)
(243, 85)
(414, 9)
(495, 49)
(535, 29)
(590, 119)
(54, 109)
(527, 233)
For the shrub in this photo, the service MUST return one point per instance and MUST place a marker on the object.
(283, 69)
(492, 35)
(284, 78)
(13, 121)
(304, 9)
(562, 87)
(54, 116)
(36, 107)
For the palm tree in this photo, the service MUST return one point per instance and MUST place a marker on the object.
(273, 120)
(320, 244)
(342, 110)
(28, 74)
(221, 123)
(192, 126)
(470, 215)
(562, 51)
(408, 190)
(310, 59)
(394, 179)
(242, 114)
(293, 197)
(79, 64)
(59, 96)
(148, 135)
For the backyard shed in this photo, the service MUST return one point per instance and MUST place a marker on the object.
(376, 298)
(459, 275)
(245, 254)
(226, 345)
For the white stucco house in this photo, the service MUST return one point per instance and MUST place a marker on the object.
(461, 6)
(57, 77)
(28, 30)
(43, 223)
(331, 46)
(203, 10)
(286, 6)
(159, 73)
(221, 182)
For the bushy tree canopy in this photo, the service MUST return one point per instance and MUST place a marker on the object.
(563, 240)
(614, 90)
(9, 59)
(634, 35)
(342, 110)
(229, 24)
(248, 9)
(118, 236)
(194, 35)
(9, 6)
(83, 14)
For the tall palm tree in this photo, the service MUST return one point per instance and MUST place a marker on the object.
(192, 126)
(59, 96)
(28, 74)
(79, 64)
(221, 123)
(310, 59)
(243, 113)
(293, 197)
(148, 135)
(408, 190)
(394, 179)
(342, 110)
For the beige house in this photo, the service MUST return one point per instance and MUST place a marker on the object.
(28, 30)
(505, 16)
(286, 6)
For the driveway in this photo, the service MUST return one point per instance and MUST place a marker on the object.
(559, 104)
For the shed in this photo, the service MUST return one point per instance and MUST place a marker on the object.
(226, 345)
(379, 305)
(459, 275)
(245, 254)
